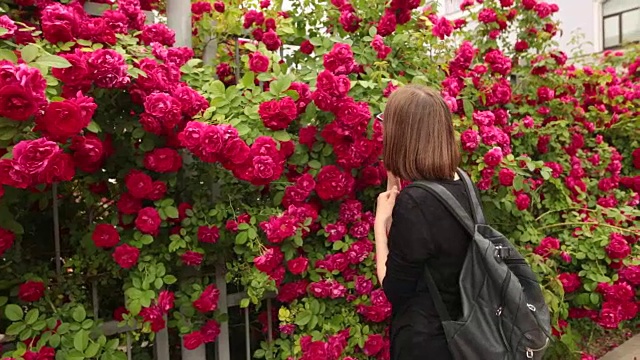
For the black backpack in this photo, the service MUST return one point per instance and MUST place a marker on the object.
(504, 312)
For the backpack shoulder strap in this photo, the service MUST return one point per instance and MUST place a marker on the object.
(453, 205)
(476, 208)
(450, 202)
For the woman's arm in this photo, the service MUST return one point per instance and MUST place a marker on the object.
(382, 250)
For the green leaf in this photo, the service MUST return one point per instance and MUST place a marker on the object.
(92, 350)
(53, 61)
(158, 283)
(171, 212)
(244, 303)
(15, 328)
(81, 340)
(281, 136)
(29, 52)
(54, 340)
(303, 318)
(248, 79)
(3, 300)
(468, 108)
(8, 133)
(8, 55)
(32, 316)
(94, 127)
(169, 279)
(112, 344)
(79, 314)
(13, 312)
(217, 89)
(315, 164)
(146, 239)
(243, 129)
(373, 31)
(74, 355)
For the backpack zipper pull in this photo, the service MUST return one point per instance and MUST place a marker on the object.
(529, 353)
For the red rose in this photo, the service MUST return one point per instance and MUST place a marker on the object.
(278, 114)
(570, 282)
(58, 23)
(126, 256)
(105, 236)
(163, 160)
(31, 291)
(219, 6)
(9, 26)
(89, 152)
(17, 103)
(38, 162)
(165, 300)
(148, 221)
(138, 183)
(306, 47)
(208, 300)
(333, 183)
(271, 40)
(618, 247)
(193, 340)
(128, 205)
(77, 73)
(210, 331)
(119, 312)
(159, 33)
(208, 234)
(298, 265)
(522, 201)
(191, 101)
(164, 108)
(506, 176)
(373, 345)
(493, 157)
(108, 69)
(258, 63)
(387, 24)
(158, 190)
(6, 240)
(191, 258)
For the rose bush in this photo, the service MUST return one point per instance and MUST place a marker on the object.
(265, 161)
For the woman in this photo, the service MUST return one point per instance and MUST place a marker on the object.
(412, 228)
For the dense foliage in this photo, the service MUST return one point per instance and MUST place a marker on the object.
(154, 167)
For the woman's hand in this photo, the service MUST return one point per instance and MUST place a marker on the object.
(392, 181)
(384, 208)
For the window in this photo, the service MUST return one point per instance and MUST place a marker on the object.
(452, 6)
(620, 22)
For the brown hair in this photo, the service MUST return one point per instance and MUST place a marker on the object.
(418, 135)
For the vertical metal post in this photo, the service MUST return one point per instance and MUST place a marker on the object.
(56, 229)
(162, 344)
(269, 321)
(224, 351)
(247, 332)
(179, 20)
(129, 356)
(237, 58)
(211, 50)
(95, 299)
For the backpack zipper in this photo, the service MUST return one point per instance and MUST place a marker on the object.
(505, 286)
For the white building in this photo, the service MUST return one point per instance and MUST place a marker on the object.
(603, 24)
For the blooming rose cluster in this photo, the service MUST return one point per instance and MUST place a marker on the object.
(36, 162)
(348, 18)
(264, 29)
(22, 91)
(279, 228)
(378, 45)
(397, 13)
(331, 349)
(160, 307)
(619, 304)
